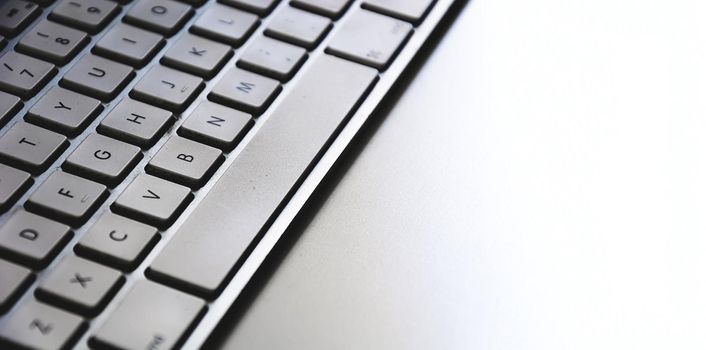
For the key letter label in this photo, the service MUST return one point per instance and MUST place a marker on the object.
(117, 237)
(245, 87)
(83, 281)
(43, 328)
(216, 121)
(65, 192)
(185, 157)
(151, 196)
(102, 155)
(29, 234)
(136, 118)
(62, 106)
(24, 140)
(97, 72)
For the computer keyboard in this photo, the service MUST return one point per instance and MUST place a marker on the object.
(148, 147)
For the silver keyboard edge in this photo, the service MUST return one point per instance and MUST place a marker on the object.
(218, 307)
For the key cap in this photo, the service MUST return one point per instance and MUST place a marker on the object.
(9, 105)
(117, 241)
(80, 285)
(30, 147)
(64, 111)
(37, 326)
(136, 122)
(88, 15)
(15, 15)
(172, 315)
(13, 183)
(273, 58)
(263, 175)
(103, 159)
(67, 198)
(298, 27)
(329, 8)
(225, 24)
(216, 125)
(186, 162)
(352, 40)
(52, 42)
(22, 75)
(32, 240)
(15, 280)
(167, 88)
(130, 45)
(406, 10)
(244, 90)
(161, 16)
(98, 77)
(197, 55)
(153, 200)
(261, 7)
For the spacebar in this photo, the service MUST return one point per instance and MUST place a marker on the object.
(204, 252)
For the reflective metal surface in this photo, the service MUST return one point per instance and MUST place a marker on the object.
(540, 184)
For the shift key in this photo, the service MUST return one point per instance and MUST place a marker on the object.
(262, 177)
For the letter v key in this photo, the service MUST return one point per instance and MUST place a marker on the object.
(152, 200)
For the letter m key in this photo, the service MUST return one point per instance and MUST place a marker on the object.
(245, 87)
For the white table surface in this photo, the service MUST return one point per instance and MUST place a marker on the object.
(540, 184)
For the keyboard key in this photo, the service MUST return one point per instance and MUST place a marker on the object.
(98, 77)
(352, 40)
(53, 42)
(80, 285)
(88, 15)
(13, 183)
(330, 8)
(171, 315)
(64, 111)
(225, 24)
(186, 162)
(153, 200)
(15, 280)
(197, 55)
(273, 58)
(103, 159)
(15, 15)
(244, 90)
(30, 147)
(298, 27)
(136, 122)
(167, 88)
(406, 10)
(67, 198)
(9, 105)
(22, 75)
(263, 175)
(261, 7)
(117, 241)
(32, 240)
(130, 45)
(161, 16)
(216, 125)
(37, 326)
